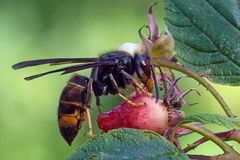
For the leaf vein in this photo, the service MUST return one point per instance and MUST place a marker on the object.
(200, 65)
(177, 25)
(225, 55)
(196, 49)
(228, 20)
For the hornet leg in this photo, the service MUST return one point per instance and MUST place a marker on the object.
(121, 95)
(88, 106)
(98, 103)
(94, 77)
(163, 78)
(135, 82)
(155, 83)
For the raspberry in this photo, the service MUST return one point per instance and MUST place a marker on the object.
(152, 116)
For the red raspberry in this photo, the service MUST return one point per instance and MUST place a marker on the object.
(152, 116)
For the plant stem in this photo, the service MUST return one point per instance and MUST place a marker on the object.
(226, 136)
(208, 86)
(204, 132)
(215, 157)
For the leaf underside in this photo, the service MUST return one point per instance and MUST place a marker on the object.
(214, 119)
(128, 144)
(207, 35)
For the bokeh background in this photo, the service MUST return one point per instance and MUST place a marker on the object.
(33, 29)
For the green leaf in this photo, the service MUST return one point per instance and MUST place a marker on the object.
(214, 119)
(207, 35)
(129, 144)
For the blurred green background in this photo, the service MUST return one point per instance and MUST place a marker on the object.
(33, 29)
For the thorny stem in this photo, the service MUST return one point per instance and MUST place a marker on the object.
(215, 157)
(226, 136)
(228, 150)
(211, 89)
(208, 135)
